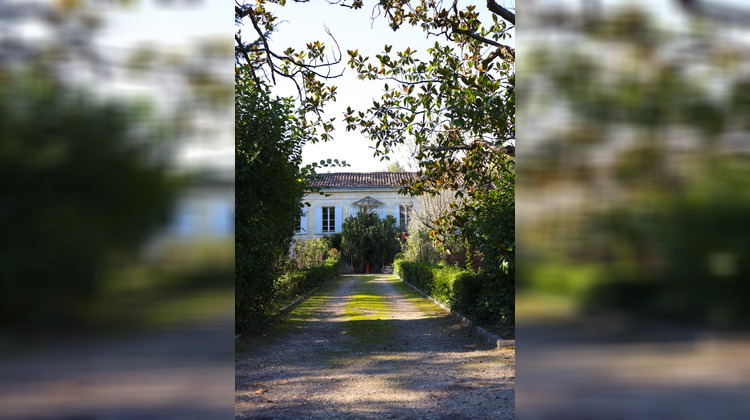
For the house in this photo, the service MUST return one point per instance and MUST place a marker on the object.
(346, 193)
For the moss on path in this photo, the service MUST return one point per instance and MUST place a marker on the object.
(366, 347)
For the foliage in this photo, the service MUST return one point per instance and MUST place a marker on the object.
(493, 229)
(307, 69)
(308, 253)
(367, 232)
(395, 167)
(269, 189)
(333, 240)
(81, 189)
(457, 106)
(333, 253)
(668, 233)
(419, 246)
(472, 294)
(296, 283)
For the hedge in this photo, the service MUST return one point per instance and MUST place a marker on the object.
(481, 298)
(295, 283)
(288, 287)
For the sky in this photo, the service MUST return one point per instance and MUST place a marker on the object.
(352, 29)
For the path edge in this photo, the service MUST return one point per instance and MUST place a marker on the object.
(291, 306)
(491, 338)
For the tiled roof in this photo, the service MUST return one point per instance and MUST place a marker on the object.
(362, 179)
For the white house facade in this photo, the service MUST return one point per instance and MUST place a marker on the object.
(346, 193)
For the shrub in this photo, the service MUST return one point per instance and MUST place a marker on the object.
(295, 283)
(419, 246)
(333, 253)
(467, 288)
(483, 299)
(333, 240)
(308, 253)
(441, 284)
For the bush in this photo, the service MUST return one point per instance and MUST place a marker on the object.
(296, 283)
(333, 240)
(483, 299)
(269, 190)
(419, 246)
(308, 253)
(467, 288)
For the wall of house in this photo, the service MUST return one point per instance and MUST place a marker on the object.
(342, 199)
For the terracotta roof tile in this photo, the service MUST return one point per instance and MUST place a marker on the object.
(362, 179)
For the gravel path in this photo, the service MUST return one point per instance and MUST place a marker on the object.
(366, 347)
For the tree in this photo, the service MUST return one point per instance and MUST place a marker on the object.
(457, 106)
(370, 240)
(269, 189)
(395, 167)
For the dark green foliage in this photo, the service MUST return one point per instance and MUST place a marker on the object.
(418, 274)
(83, 185)
(467, 290)
(269, 190)
(688, 250)
(367, 235)
(295, 283)
(477, 296)
(333, 241)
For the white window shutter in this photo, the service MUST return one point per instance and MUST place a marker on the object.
(339, 217)
(318, 215)
(303, 222)
(394, 213)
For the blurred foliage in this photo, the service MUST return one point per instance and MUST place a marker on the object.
(84, 185)
(366, 233)
(643, 142)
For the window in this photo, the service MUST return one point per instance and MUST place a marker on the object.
(298, 225)
(404, 215)
(329, 219)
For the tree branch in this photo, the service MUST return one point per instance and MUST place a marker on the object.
(501, 11)
(506, 150)
(479, 38)
(500, 50)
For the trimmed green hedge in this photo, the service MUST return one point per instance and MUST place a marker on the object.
(481, 298)
(295, 283)
(292, 285)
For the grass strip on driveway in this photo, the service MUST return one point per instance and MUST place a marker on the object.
(367, 314)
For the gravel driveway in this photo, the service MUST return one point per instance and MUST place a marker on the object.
(368, 347)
